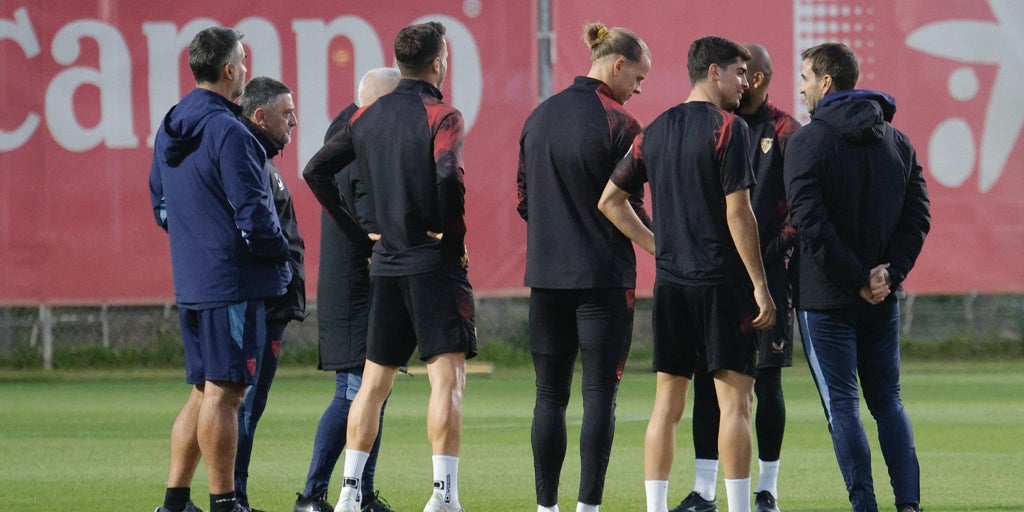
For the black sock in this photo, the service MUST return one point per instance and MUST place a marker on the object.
(177, 498)
(222, 502)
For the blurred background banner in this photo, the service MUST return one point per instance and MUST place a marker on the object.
(85, 84)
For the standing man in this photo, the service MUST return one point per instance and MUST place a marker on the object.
(269, 112)
(409, 146)
(343, 296)
(858, 200)
(209, 190)
(710, 288)
(770, 129)
(581, 270)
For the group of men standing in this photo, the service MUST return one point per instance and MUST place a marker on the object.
(747, 206)
(746, 203)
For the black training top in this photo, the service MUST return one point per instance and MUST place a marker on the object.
(567, 151)
(694, 155)
(770, 129)
(409, 145)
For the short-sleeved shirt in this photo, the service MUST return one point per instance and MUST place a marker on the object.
(693, 155)
(568, 149)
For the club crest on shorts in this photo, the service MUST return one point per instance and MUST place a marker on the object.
(766, 144)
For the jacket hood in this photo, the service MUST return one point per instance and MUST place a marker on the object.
(858, 115)
(184, 124)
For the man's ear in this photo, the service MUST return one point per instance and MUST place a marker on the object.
(620, 62)
(258, 116)
(827, 84)
(714, 72)
(756, 80)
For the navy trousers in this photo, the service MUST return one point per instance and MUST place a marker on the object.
(842, 346)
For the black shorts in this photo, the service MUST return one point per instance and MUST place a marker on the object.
(713, 322)
(433, 312)
(775, 346)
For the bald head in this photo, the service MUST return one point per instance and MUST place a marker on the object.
(759, 61)
(376, 83)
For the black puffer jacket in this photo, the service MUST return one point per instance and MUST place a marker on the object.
(857, 199)
(291, 305)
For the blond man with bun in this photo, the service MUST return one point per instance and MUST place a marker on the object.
(581, 271)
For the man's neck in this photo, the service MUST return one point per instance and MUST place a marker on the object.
(218, 88)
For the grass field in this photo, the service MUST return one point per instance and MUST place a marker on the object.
(99, 441)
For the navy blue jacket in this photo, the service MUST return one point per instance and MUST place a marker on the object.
(210, 192)
(857, 198)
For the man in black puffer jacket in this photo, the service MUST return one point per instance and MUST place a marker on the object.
(858, 201)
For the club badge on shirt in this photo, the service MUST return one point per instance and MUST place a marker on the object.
(766, 144)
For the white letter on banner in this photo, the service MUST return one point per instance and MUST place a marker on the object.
(20, 31)
(312, 39)
(113, 79)
(165, 45)
(264, 45)
(466, 76)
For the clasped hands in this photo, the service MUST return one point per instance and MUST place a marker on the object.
(877, 287)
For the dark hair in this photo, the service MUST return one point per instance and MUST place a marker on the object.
(210, 50)
(416, 46)
(836, 60)
(260, 92)
(614, 41)
(710, 50)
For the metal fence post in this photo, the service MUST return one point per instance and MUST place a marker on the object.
(46, 328)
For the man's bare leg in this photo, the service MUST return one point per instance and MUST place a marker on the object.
(217, 432)
(185, 452)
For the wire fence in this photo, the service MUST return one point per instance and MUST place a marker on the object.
(971, 319)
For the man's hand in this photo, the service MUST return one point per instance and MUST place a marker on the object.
(877, 287)
(766, 309)
(373, 236)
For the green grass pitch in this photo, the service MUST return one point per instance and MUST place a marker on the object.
(99, 441)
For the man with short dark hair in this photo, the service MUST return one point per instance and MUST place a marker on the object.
(770, 129)
(269, 113)
(228, 254)
(409, 149)
(859, 203)
(710, 289)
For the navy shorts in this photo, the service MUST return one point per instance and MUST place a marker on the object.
(713, 322)
(221, 343)
(433, 312)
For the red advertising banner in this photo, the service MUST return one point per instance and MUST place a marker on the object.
(86, 83)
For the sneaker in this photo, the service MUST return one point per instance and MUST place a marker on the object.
(694, 502)
(189, 507)
(765, 502)
(909, 507)
(347, 504)
(376, 503)
(436, 504)
(312, 504)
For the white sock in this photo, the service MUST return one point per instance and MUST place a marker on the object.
(768, 479)
(355, 461)
(738, 493)
(657, 495)
(446, 477)
(705, 477)
(552, 508)
(583, 507)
